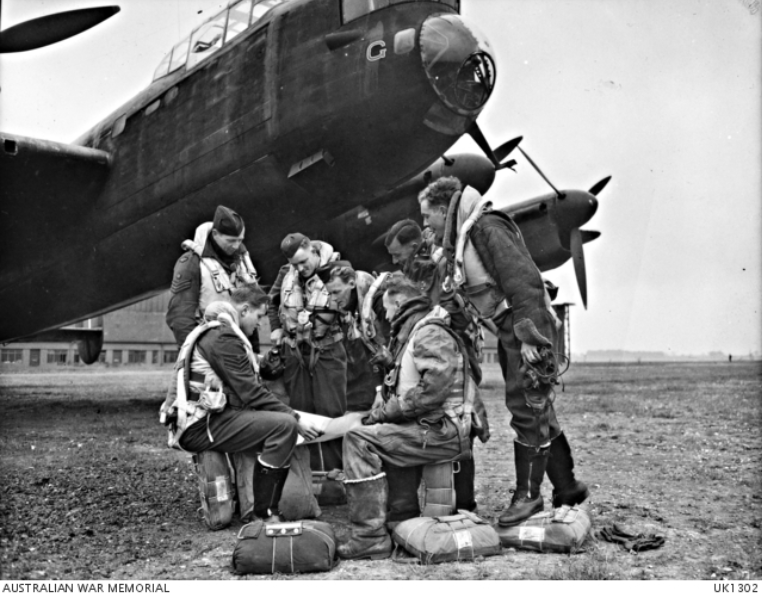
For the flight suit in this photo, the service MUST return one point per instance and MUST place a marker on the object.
(495, 272)
(363, 376)
(428, 269)
(193, 288)
(253, 422)
(422, 421)
(314, 356)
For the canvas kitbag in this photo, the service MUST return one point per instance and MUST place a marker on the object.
(559, 531)
(285, 547)
(215, 487)
(460, 537)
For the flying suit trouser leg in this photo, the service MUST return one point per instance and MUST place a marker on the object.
(531, 429)
(403, 493)
(322, 390)
(367, 449)
(361, 378)
(273, 434)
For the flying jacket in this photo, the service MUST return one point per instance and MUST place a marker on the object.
(427, 381)
(300, 306)
(499, 261)
(199, 278)
(221, 356)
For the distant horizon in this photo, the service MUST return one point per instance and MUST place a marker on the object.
(624, 355)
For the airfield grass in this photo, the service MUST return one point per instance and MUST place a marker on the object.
(90, 491)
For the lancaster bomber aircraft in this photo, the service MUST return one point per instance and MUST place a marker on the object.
(319, 116)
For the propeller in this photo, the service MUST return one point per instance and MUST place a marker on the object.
(52, 28)
(497, 156)
(596, 189)
(575, 210)
(578, 257)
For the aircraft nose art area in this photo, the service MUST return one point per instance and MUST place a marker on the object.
(458, 63)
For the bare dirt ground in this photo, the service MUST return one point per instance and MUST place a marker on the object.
(89, 490)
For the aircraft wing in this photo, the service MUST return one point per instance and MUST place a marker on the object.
(46, 188)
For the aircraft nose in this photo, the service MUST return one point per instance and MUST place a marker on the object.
(458, 62)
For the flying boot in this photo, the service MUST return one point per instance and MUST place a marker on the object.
(403, 501)
(530, 470)
(367, 512)
(566, 489)
(268, 486)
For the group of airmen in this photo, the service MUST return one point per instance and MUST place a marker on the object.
(402, 348)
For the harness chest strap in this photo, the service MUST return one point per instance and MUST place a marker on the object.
(294, 301)
(222, 282)
(184, 376)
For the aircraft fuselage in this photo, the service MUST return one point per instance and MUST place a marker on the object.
(297, 120)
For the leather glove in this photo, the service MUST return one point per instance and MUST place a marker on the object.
(271, 366)
(375, 416)
(382, 358)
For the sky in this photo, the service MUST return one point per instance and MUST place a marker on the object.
(664, 96)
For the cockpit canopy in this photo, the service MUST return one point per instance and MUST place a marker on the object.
(354, 9)
(239, 16)
(214, 33)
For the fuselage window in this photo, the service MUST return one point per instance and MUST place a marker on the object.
(170, 95)
(152, 107)
(179, 54)
(118, 126)
(354, 9)
(163, 67)
(207, 39)
(238, 20)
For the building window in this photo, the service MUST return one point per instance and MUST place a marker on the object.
(102, 357)
(116, 357)
(58, 356)
(170, 356)
(11, 356)
(155, 357)
(136, 356)
(34, 357)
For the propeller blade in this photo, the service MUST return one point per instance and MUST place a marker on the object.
(506, 149)
(596, 189)
(589, 235)
(578, 257)
(52, 28)
(538, 170)
(476, 133)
